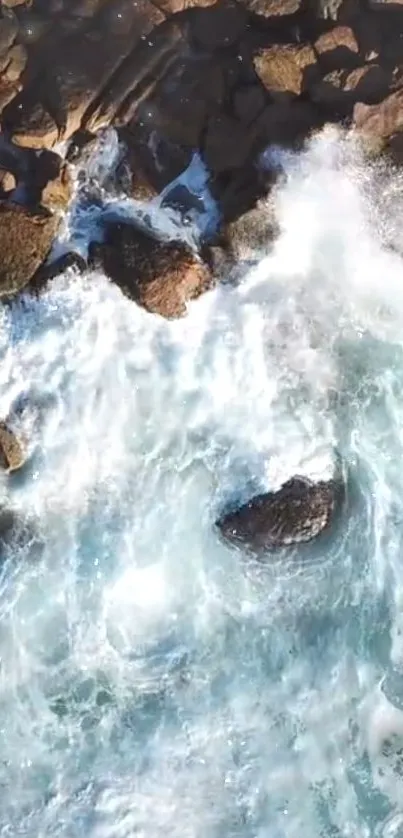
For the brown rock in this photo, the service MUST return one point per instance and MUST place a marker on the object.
(17, 60)
(57, 192)
(254, 231)
(8, 33)
(286, 68)
(221, 25)
(11, 4)
(296, 513)
(273, 8)
(25, 240)
(7, 181)
(376, 123)
(12, 455)
(160, 276)
(70, 72)
(337, 48)
(171, 7)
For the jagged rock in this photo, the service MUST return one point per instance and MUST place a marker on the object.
(16, 63)
(296, 513)
(341, 89)
(25, 240)
(160, 276)
(253, 231)
(337, 48)
(57, 190)
(171, 7)
(7, 181)
(377, 123)
(287, 68)
(70, 73)
(12, 456)
(8, 33)
(273, 8)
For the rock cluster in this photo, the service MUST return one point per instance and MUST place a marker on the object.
(226, 78)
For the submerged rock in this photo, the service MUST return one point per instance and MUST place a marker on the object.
(160, 276)
(298, 512)
(12, 455)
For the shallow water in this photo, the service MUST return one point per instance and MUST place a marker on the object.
(153, 681)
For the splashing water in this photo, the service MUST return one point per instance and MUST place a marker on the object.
(153, 682)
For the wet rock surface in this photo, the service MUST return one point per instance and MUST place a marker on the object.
(225, 78)
(12, 454)
(160, 276)
(297, 513)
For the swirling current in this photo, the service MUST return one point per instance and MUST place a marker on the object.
(153, 681)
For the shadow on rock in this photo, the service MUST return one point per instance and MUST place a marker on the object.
(299, 512)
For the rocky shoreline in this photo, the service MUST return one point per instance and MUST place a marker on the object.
(223, 80)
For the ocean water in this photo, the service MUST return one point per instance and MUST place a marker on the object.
(154, 681)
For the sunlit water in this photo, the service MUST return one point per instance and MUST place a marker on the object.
(153, 681)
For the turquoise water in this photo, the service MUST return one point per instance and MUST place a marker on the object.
(152, 680)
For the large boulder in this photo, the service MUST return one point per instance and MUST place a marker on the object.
(296, 513)
(25, 240)
(160, 276)
(287, 68)
(377, 123)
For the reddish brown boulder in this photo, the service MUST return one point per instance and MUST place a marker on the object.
(25, 241)
(12, 456)
(337, 48)
(160, 276)
(377, 123)
(287, 68)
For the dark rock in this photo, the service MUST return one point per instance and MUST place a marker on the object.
(288, 123)
(220, 25)
(287, 68)
(228, 143)
(50, 270)
(341, 89)
(8, 33)
(248, 102)
(296, 513)
(25, 241)
(160, 276)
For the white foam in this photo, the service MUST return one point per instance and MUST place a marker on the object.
(151, 681)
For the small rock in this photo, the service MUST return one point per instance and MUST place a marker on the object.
(296, 513)
(17, 60)
(12, 456)
(25, 240)
(160, 276)
(7, 181)
(337, 48)
(273, 8)
(287, 68)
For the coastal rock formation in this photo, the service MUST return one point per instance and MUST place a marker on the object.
(224, 77)
(160, 276)
(12, 455)
(296, 513)
(25, 240)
